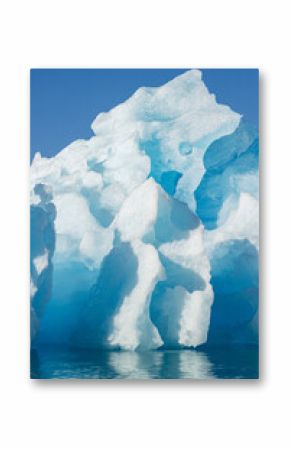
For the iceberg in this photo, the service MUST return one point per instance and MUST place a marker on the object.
(42, 216)
(146, 235)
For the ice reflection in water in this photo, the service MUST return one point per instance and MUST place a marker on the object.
(195, 365)
(230, 363)
(157, 364)
(136, 365)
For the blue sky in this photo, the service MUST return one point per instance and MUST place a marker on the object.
(64, 102)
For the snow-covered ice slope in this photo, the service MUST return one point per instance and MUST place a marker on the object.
(144, 212)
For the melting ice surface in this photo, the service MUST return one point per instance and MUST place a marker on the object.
(146, 235)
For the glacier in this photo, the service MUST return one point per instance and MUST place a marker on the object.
(146, 235)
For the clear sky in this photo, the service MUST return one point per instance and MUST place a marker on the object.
(64, 102)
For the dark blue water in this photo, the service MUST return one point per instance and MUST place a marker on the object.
(236, 362)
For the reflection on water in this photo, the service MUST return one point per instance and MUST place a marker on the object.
(239, 362)
(157, 364)
(134, 365)
(195, 365)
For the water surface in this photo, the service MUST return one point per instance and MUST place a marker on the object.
(236, 362)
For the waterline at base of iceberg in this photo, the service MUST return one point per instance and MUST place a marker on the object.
(230, 362)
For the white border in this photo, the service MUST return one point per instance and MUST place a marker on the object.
(144, 34)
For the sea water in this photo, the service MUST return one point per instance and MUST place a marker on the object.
(236, 362)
